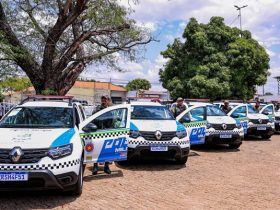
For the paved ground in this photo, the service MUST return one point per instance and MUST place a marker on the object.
(214, 178)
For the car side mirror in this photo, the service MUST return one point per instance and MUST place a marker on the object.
(89, 128)
(234, 115)
(265, 113)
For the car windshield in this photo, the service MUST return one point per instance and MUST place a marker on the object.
(214, 111)
(38, 117)
(151, 113)
(251, 110)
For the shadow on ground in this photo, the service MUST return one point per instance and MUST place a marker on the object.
(150, 164)
(220, 148)
(34, 199)
(255, 138)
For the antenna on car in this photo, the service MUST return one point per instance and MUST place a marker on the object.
(47, 98)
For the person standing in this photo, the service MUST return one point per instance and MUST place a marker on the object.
(257, 106)
(225, 107)
(105, 102)
(179, 108)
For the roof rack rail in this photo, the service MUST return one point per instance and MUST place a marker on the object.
(47, 98)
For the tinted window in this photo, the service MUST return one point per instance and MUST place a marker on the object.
(39, 117)
(111, 120)
(240, 111)
(251, 109)
(214, 111)
(151, 113)
(198, 114)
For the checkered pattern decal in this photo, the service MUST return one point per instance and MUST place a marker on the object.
(105, 134)
(40, 166)
(195, 124)
(223, 132)
(148, 143)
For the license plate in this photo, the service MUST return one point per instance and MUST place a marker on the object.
(159, 148)
(261, 128)
(225, 136)
(13, 176)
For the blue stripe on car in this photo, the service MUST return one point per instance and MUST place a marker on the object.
(180, 127)
(133, 127)
(64, 138)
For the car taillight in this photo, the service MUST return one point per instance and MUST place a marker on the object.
(89, 147)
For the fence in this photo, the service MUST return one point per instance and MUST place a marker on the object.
(4, 108)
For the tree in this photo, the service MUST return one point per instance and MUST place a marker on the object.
(214, 62)
(15, 84)
(53, 41)
(138, 84)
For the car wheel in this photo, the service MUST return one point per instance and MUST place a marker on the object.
(78, 187)
(182, 160)
(266, 136)
(234, 145)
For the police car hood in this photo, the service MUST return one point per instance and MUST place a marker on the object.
(34, 138)
(257, 116)
(220, 120)
(153, 125)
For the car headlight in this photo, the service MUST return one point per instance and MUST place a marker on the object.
(61, 151)
(181, 134)
(134, 134)
(208, 125)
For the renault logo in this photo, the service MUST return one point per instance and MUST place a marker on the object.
(224, 126)
(16, 154)
(158, 135)
(260, 121)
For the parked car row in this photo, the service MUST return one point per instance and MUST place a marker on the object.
(48, 140)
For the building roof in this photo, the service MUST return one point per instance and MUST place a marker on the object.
(99, 85)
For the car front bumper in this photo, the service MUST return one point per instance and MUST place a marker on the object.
(41, 180)
(255, 131)
(145, 151)
(215, 139)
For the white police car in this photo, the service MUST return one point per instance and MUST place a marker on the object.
(253, 123)
(207, 124)
(46, 143)
(154, 131)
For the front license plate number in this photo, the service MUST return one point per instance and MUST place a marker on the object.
(261, 128)
(13, 176)
(225, 136)
(159, 148)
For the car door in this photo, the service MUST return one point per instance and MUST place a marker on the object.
(269, 110)
(105, 134)
(240, 113)
(194, 119)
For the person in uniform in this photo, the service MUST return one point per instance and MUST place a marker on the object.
(105, 102)
(225, 107)
(179, 108)
(257, 106)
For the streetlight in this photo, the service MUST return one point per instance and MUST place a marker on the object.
(239, 9)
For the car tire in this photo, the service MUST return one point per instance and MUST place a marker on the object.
(266, 136)
(234, 145)
(181, 160)
(78, 187)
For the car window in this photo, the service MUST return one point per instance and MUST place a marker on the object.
(38, 117)
(240, 111)
(111, 119)
(268, 110)
(198, 114)
(214, 111)
(151, 113)
(251, 110)
(82, 112)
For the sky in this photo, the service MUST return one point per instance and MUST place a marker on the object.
(166, 19)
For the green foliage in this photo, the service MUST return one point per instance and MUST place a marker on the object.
(214, 62)
(268, 94)
(49, 92)
(15, 84)
(1, 97)
(138, 84)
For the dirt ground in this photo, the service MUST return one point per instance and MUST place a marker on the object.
(214, 178)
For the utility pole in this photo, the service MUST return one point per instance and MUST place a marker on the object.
(240, 20)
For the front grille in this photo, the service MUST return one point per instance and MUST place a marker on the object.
(277, 118)
(220, 127)
(150, 135)
(29, 155)
(256, 121)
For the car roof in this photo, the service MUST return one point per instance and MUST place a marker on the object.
(144, 103)
(46, 104)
